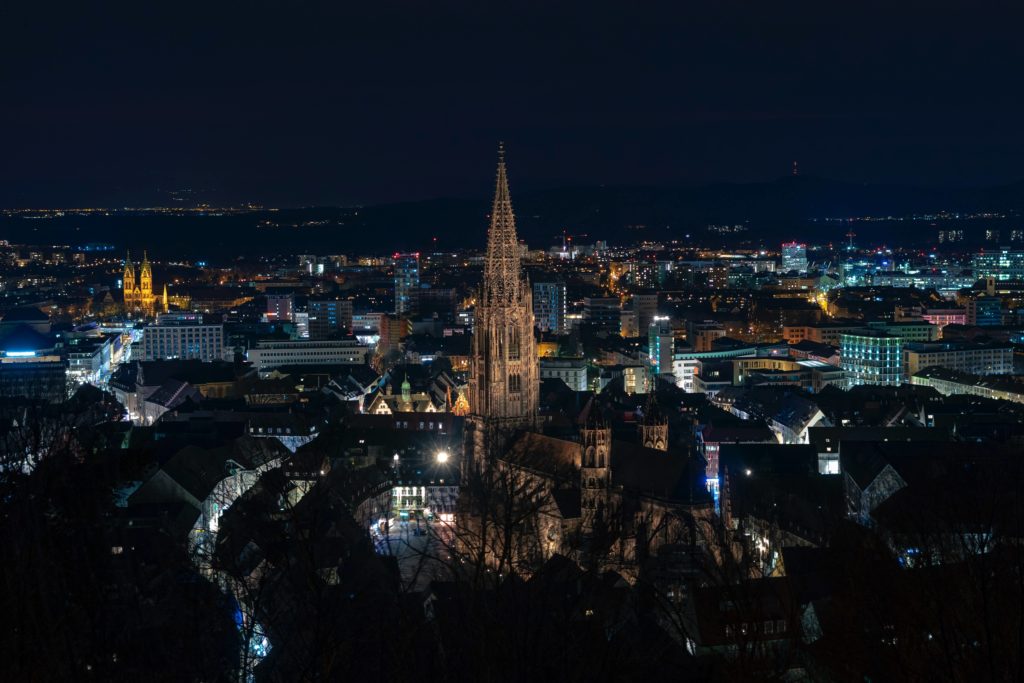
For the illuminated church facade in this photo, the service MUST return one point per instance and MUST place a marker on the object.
(138, 292)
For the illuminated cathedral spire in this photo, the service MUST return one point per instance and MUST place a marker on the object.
(128, 282)
(504, 383)
(146, 276)
(502, 274)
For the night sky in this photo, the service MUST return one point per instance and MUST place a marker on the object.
(299, 103)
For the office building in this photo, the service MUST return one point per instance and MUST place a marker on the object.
(660, 347)
(549, 306)
(270, 354)
(871, 357)
(627, 323)
(392, 331)
(367, 323)
(908, 330)
(948, 382)
(701, 334)
(31, 367)
(985, 311)
(437, 303)
(280, 307)
(407, 283)
(1003, 263)
(572, 371)
(89, 357)
(975, 359)
(794, 257)
(183, 335)
(329, 317)
(810, 375)
(602, 313)
(301, 320)
(716, 276)
(912, 330)
(645, 307)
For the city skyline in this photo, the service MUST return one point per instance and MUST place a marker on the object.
(713, 372)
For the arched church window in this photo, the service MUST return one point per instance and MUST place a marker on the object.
(513, 342)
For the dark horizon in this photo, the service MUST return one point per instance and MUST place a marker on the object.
(331, 106)
(196, 196)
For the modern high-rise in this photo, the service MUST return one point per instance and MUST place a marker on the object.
(183, 335)
(328, 317)
(504, 383)
(794, 257)
(645, 306)
(603, 313)
(549, 306)
(407, 283)
(660, 347)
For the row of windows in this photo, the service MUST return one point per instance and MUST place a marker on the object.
(404, 424)
(309, 354)
(768, 627)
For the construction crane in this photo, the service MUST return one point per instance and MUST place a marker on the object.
(567, 241)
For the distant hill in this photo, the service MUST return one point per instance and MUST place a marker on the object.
(771, 211)
(782, 209)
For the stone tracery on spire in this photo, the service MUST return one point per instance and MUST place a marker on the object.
(502, 274)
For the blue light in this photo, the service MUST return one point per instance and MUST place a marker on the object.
(20, 354)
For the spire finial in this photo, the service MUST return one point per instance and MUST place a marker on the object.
(501, 151)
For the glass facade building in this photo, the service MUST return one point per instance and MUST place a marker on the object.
(407, 283)
(871, 357)
(1002, 264)
(794, 257)
(549, 306)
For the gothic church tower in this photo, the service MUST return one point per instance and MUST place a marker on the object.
(128, 283)
(504, 384)
(653, 427)
(146, 279)
(595, 471)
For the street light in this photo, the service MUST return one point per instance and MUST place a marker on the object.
(442, 457)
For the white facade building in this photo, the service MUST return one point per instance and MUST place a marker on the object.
(183, 335)
(271, 354)
(572, 371)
